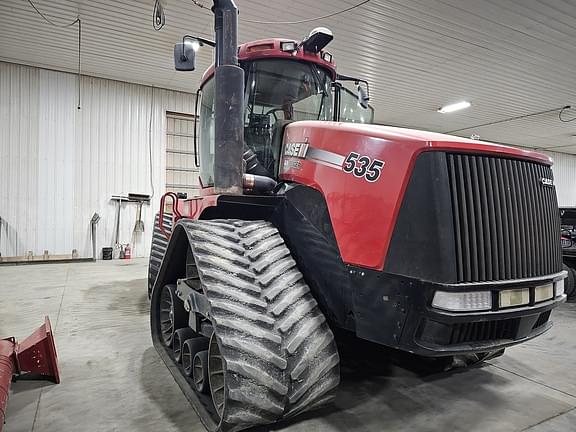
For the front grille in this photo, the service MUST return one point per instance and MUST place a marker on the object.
(439, 333)
(484, 331)
(506, 219)
(542, 319)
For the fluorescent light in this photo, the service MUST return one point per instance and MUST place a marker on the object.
(454, 107)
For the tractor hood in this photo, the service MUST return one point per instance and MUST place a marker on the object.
(418, 140)
(363, 171)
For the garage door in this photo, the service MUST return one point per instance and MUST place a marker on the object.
(181, 171)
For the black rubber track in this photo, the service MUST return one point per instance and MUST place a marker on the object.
(158, 248)
(572, 295)
(279, 353)
(569, 282)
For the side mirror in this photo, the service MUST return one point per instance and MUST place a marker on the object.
(184, 57)
(363, 97)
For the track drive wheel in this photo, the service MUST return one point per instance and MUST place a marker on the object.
(272, 354)
(172, 314)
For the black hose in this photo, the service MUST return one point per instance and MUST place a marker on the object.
(252, 164)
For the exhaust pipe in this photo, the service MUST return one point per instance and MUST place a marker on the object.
(228, 106)
(228, 102)
(35, 356)
(259, 184)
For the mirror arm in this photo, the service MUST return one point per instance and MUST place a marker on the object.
(201, 40)
(340, 77)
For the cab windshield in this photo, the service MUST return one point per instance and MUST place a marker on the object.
(279, 91)
(288, 90)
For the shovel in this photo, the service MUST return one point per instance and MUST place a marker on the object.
(139, 225)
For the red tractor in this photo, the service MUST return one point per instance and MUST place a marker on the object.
(311, 222)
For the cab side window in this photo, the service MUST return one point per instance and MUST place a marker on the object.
(350, 109)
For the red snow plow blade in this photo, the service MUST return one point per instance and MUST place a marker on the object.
(35, 356)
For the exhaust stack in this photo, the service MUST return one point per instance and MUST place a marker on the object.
(229, 101)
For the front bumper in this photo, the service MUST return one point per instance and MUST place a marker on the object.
(419, 328)
(444, 333)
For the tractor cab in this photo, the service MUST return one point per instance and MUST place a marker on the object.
(284, 81)
(280, 91)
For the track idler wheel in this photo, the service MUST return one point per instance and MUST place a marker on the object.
(172, 314)
(180, 336)
(190, 348)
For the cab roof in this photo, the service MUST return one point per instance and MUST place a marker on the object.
(272, 48)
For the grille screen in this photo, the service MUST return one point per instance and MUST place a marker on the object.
(484, 331)
(506, 218)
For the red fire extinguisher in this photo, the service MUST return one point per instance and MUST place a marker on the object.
(127, 252)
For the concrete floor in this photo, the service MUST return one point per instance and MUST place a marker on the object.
(113, 380)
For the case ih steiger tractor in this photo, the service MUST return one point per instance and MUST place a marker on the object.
(308, 225)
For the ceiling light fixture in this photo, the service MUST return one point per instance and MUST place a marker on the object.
(454, 107)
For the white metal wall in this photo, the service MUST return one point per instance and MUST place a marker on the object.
(60, 164)
(564, 170)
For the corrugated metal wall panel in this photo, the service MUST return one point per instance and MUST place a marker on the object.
(18, 157)
(59, 165)
(56, 157)
(564, 170)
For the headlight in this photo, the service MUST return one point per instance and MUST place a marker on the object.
(543, 292)
(514, 297)
(559, 286)
(463, 301)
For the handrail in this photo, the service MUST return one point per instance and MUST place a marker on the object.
(175, 213)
